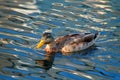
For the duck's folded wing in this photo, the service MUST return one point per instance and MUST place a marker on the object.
(81, 43)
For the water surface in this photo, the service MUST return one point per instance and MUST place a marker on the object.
(23, 22)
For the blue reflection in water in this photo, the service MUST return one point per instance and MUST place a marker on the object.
(23, 22)
(6, 77)
(75, 77)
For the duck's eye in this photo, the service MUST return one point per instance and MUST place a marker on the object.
(48, 35)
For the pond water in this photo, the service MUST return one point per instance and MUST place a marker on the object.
(22, 23)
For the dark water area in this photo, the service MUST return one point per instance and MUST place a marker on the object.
(22, 23)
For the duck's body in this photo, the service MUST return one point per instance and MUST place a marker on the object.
(70, 43)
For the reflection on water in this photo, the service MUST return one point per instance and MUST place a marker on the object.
(22, 23)
(47, 62)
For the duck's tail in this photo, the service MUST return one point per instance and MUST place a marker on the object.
(96, 35)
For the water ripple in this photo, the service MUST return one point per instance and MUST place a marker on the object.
(23, 22)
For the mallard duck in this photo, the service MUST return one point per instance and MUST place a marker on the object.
(68, 43)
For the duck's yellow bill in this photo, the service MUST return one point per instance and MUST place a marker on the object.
(40, 44)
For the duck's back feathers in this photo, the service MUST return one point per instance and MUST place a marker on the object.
(73, 42)
(84, 37)
(77, 42)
